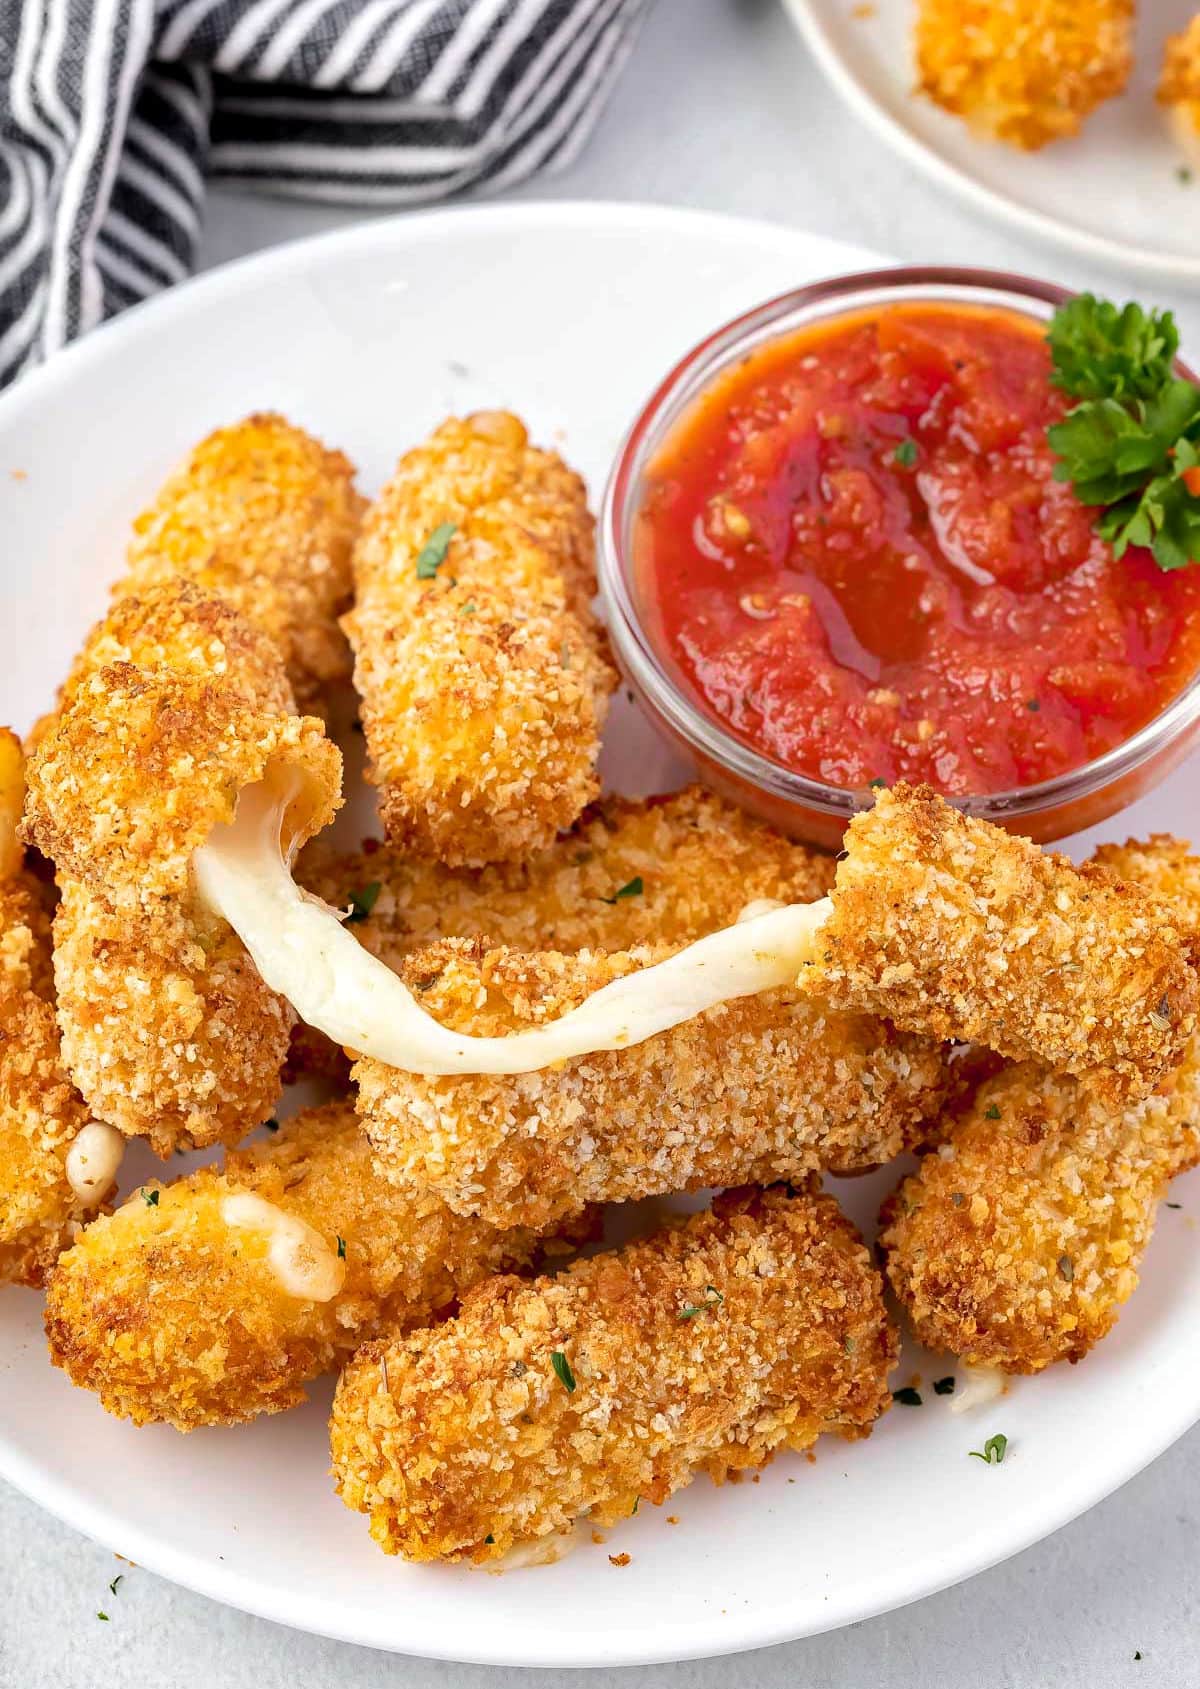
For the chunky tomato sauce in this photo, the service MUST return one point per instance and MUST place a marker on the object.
(854, 549)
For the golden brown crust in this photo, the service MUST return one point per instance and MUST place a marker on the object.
(1023, 71)
(264, 515)
(484, 686)
(759, 1089)
(1179, 85)
(167, 1028)
(40, 1112)
(957, 929)
(1017, 1243)
(170, 1314)
(463, 1440)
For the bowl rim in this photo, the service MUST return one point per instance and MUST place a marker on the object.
(694, 373)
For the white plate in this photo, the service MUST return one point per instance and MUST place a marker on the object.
(1111, 192)
(569, 314)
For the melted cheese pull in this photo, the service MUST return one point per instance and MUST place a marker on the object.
(93, 1162)
(303, 1263)
(301, 950)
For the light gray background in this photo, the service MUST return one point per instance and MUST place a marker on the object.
(721, 108)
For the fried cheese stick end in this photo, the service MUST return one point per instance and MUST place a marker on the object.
(168, 1029)
(1016, 1245)
(703, 1348)
(663, 871)
(219, 1297)
(41, 1114)
(757, 1089)
(483, 674)
(955, 928)
(1179, 87)
(1025, 72)
(264, 516)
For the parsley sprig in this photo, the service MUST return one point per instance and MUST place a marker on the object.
(1131, 445)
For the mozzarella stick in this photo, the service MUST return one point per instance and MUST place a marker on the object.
(483, 675)
(1016, 1245)
(55, 1168)
(219, 1297)
(264, 516)
(954, 928)
(757, 1089)
(168, 1031)
(662, 871)
(701, 1349)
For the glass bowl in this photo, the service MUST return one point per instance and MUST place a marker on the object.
(799, 804)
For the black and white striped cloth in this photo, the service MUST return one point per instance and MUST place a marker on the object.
(113, 112)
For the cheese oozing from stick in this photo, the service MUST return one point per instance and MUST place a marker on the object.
(302, 950)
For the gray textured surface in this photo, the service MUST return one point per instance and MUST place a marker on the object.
(719, 108)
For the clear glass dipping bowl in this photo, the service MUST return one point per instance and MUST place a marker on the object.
(805, 807)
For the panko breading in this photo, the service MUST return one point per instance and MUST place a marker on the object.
(1016, 1245)
(265, 516)
(484, 676)
(757, 1089)
(40, 1112)
(701, 1349)
(1179, 86)
(683, 866)
(957, 929)
(1023, 71)
(167, 1027)
(169, 1312)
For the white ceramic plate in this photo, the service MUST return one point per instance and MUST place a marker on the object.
(1112, 192)
(569, 314)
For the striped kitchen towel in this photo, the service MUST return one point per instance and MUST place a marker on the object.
(113, 112)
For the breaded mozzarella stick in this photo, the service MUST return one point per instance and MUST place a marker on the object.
(701, 1349)
(167, 1028)
(1017, 1244)
(219, 1297)
(954, 928)
(55, 1167)
(757, 1089)
(483, 674)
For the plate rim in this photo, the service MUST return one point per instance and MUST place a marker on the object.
(306, 1609)
(811, 25)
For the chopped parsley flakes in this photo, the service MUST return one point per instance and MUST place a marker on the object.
(907, 1397)
(562, 1371)
(150, 1198)
(993, 1451)
(712, 1299)
(991, 1112)
(631, 888)
(944, 1386)
(341, 1243)
(362, 902)
(905, 454)
(433, 553)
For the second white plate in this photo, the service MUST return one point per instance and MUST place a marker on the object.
(1113, 192)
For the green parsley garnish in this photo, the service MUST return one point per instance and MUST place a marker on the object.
(341, 1243)
(1183, 174)
(991, 1112)
(562, 1371)
(1131, 445)
(993, 1451)
(908, 1397)
(272, 1125)
(489, 1537)
(433, 553)
(1174, 1204)
(631, 888)
(1033, 705)
(944, 1386)
(468, 608)
(120, 1577)
(634, 1508)
(103, 1616)
(362, 902)
(878, 783)
(712, 1299)
(150, 1198)
(905, 454)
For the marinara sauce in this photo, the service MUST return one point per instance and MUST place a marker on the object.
(854, 549)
